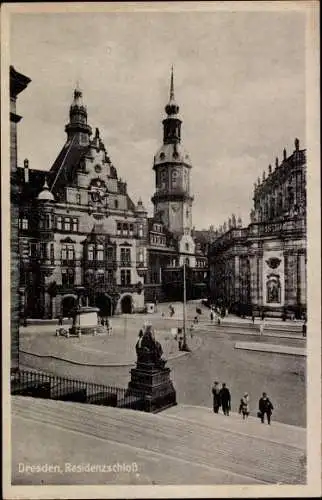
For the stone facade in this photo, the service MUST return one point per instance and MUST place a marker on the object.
(18, 83)
(262, 268)
(84, 240)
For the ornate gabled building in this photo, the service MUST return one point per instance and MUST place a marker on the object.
(83, 238)
(81, 234)
(262, 268)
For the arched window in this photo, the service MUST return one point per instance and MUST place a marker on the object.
(187, 247)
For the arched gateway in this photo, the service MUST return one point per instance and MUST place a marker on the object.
(104, 303)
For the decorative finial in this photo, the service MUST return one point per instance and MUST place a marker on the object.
(297, 144)
(284, 154)
(233, 220)
(264, 175)
(276, 162)
(45, 186)
(239, 222)
(269, 168)
(258, 181)
(26, 163)
(171, 85)
(97, 133)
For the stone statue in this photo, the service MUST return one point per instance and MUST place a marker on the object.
(148, 350)
(230, 225)
(233, 220)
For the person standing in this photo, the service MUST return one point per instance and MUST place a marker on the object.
(244, 406)
(225, 399)
(216, 397)
(304, 329)
(253, 318)
(211, 315)
(265, 407)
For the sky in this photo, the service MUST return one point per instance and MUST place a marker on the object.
(239, 81)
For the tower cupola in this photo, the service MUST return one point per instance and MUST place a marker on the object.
(172, 124)
(77, 127)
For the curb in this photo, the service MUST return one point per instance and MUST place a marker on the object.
(106, 365)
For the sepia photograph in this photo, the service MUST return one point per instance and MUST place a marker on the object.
(161, 249)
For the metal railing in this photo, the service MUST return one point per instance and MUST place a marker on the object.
(48, 386)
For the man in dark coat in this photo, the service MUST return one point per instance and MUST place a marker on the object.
(265, 407)
(225, 399)
(216, 398)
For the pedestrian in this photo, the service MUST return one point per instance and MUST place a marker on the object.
(211, 316)
(263, 315)
(265, 407)
(139, 341)
(225, 399)
(195, 320)
(60, 320)
(218, 320)
(244, 406)
(253, 318)
(304, 329)
(216, 397)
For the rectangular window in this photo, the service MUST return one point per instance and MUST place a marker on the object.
(100, 252)
(52, 253)
(131, 229)
(110, 254)
(119, 229)
(64, 253)
(109, 276)
(70, 252)
(90, 252)
(125, 229)
(125, 256)
(141, 231)
(78, 198)
(67, 224)
(68, 277)
(125, 277)
(75, 225)
(100, 277)
(24, 223)
(59, 223)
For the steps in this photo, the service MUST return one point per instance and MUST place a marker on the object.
(249, 449)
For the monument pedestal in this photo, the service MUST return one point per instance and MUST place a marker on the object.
(153, 379)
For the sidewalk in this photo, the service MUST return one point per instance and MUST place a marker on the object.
(114, 350)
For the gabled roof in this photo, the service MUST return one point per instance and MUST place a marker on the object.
(64, 167)
(30, 190)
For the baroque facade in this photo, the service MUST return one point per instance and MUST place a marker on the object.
(83, 239)
(262, 268)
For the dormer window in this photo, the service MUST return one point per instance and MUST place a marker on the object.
(100, 252)
(187, 247)
(162, 156)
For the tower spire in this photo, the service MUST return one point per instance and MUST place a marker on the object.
(172, 107)
(171, 86)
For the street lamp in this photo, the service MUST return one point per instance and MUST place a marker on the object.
(184, 346)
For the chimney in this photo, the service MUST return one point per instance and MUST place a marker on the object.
(26, 170)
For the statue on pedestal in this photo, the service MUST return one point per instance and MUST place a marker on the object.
(149, 350)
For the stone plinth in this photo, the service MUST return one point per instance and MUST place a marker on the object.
(85, 320)
(153, 379)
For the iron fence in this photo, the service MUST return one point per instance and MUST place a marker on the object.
(48, 386)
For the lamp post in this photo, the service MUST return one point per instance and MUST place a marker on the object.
(184, 345)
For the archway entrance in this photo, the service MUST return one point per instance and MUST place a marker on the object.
(104, 303)
(68, 305)
(126, 304)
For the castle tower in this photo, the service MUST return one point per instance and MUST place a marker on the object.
(172, 199)
(77, 127)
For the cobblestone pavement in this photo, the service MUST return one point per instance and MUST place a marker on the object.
(282, 376)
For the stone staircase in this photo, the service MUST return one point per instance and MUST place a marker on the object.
(247, 451)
